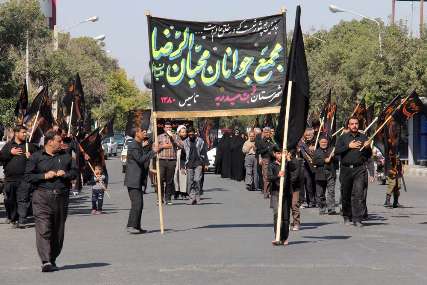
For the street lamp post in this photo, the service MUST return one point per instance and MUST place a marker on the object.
(335, 9)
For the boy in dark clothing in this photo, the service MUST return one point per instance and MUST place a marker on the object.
(291, 181)
(325, 177)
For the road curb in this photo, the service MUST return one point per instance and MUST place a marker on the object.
(416, 171)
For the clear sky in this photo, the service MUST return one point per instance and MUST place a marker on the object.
(125, 25)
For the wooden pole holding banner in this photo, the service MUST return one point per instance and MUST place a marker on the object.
(283, 164)
(159, 183)
(71, 118)
(156, 140)
(34, 125)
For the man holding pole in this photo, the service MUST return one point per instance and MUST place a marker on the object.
(353, 171)
(14, 156)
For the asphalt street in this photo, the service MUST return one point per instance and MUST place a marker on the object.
(226, 240)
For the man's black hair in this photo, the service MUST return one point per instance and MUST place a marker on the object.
(18, 128)
(50, 135)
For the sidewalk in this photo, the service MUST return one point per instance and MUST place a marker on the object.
(415, 170)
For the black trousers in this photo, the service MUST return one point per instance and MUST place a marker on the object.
(286, 213)
(310, 187)
(353, 189)
(167, 172)
(50, 212)
(136, 205)
(17, 200)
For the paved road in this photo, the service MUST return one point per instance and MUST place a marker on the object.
(226, 240)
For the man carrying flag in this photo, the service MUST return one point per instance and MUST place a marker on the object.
(74, 102)
(290, 128)
(391, 134)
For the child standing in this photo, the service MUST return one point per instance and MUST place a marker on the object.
(98, 190)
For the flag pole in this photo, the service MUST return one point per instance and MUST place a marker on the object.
(318, 133)
(34, 125)
(386, 121)
(159, 183)
(334, 134)
(370, 125)
(71, 118)
(283, 164)
(156, 140)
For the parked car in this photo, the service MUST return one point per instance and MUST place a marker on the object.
(120, 139)
(109, 145)
(123, 155)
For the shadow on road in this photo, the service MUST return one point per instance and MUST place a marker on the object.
(222, 226)
(85, 265)
(368, 224)
(328, 237)
(215, 190)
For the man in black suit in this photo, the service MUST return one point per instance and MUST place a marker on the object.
(136, 168)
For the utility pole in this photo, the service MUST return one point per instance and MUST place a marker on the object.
(393, 11)
(27, 62)
(421, 17)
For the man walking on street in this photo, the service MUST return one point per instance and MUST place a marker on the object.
(51, 171)
(196, 159)
(264, 147)
(251, 163)
(14, 156)
(353, 171)
(136, 169)
(167, 145)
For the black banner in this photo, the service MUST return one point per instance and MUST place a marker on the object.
(219, 66)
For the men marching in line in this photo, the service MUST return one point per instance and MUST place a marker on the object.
(14, 157)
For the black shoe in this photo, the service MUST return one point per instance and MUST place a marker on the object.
(47, 267)
(133, 230)
(347, 222)
(54, 266)
(358, 224)
(20, 226)
(141, 231)
(332, 212)
(14, 225)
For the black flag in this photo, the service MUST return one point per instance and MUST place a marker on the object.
(108, 130)
(22, 104)
(75, 97)
(297, 73)
(409, 108)
(138, 119)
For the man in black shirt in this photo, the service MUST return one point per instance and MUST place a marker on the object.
(51, 171)
(353, 171)
(14, 156)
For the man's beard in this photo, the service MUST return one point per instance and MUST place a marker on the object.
(192, 139)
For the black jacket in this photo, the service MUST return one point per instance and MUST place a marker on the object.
(14, 165)
(324, 169)
(264, 147)
(136, 165)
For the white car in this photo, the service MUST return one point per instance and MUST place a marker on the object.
(211, 157)
(123, 156)
(109, 145)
